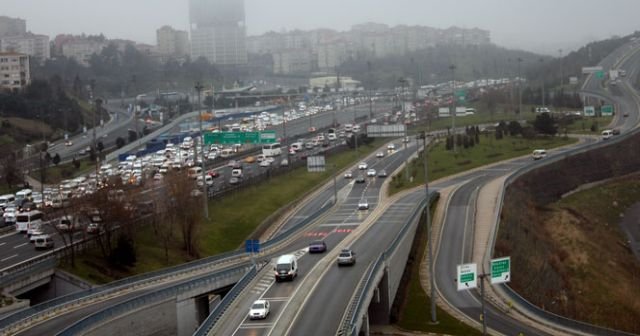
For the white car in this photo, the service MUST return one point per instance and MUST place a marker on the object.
(371, 172)
(259, 309)
(363, 205)
(362, 166)
(391, 147)
(265, 163)
(348, 175)
(380, 154)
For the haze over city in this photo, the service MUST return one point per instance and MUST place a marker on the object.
(542, 26)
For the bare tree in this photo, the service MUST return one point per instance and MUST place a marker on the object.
(184, 210)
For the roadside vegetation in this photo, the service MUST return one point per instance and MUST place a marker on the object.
(414, 308)
(475, 149)
(232, 219)
(594, 273)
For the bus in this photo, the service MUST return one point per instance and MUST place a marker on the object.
(270, 150)
(28, 221)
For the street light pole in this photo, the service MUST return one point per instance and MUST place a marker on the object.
(370, 91)
(199, 88)
(452, 67)
(519, 87)
(434, 318)
(542, 80)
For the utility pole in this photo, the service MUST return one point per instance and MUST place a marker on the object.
(434, 318)
(519, 87)
(542, 80)
(561, 69)
(135, 108)
(205, 196)
(452, 67)
(370, 91)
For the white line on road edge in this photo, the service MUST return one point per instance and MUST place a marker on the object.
(9, 257)
(18, 246)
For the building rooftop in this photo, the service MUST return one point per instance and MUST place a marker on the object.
(11, 53)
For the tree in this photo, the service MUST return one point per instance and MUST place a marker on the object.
(184, 211)
(100, 146)
(56, 159)
(545, 124)
(120, 142)
(514, 128)
(9, 170)
(76, 163)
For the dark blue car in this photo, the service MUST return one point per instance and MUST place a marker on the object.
(317, 246)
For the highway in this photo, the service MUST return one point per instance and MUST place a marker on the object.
(15, 248)
(333, 287)
(323, 308)
(346, 214)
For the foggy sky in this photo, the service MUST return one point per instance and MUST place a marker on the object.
(534, 25)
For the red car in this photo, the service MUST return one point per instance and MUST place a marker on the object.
(213, 173)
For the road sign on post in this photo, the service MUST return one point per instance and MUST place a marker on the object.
(467, 276)
(382, 131)
(316, 164)
(461, 95)
(500, 270)
(252, 246)
(606, 110)
(230, 138)
(589, 111)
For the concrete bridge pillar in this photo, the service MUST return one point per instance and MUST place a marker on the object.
(380, 306)
(364, 331)
(190, 314)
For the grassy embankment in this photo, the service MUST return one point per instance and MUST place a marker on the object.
(233, 218)
(444, 163)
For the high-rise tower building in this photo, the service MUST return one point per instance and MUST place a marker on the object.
(218, 31)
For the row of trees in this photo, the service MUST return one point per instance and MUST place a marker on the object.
(116, 70)
(174, 219)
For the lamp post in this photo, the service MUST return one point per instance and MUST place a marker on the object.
(452, 67)
(199, 88)
(370, 91)
(519, 87)
(542, 80)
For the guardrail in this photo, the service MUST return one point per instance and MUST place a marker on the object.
(357, 307)
(154, 297)
(215, 315)
(150, 277)
(515, 297)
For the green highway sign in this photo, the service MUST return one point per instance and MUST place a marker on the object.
(500, 270)
(606, 110)
(461, 95)
(600, 74)
(467, 276)
(230, 138)
(589, 111)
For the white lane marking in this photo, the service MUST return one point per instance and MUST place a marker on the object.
(18, 246)
(9, 257)
(277, 299)
(2, 243)
(255, 326)
(338, 225)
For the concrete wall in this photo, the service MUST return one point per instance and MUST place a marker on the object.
(157, 320)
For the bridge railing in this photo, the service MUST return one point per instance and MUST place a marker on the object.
(150, 277)
(147, 299)
(508, 291)
(357, 308)
(208, 324)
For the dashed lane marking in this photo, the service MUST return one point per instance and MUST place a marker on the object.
(21, 245)
(9, 257)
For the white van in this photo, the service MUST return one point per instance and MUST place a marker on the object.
(7, 200)
(225, 153)
(194, 172)
(43, 242)
(606, 134)
(27, 220)
(539, 154)
(23, 195)
(286, 268)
